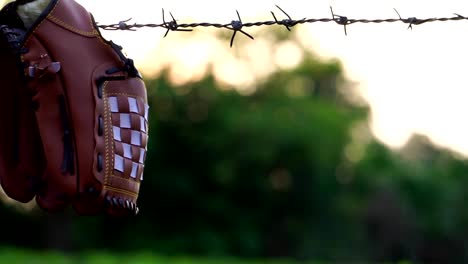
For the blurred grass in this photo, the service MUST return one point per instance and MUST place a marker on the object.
(48, 257)
(14, 256)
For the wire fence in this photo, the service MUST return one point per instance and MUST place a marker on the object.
(238, 26)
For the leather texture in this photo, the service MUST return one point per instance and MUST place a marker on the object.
(92, 114)
(21, 155)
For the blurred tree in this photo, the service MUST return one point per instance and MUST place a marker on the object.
(289, 169)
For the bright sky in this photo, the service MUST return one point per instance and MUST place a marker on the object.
(413, 80)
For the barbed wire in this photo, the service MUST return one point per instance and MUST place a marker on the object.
(238, 26)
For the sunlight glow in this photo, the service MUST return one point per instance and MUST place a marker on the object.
(414, 80)
(258, 54)
(288, 55)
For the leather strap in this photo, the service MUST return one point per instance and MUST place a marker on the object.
(129, 65)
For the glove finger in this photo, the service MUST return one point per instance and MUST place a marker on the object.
(21, 154)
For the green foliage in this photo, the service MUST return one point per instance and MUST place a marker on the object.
(243, 168)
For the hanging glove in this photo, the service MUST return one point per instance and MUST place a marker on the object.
(91, 111)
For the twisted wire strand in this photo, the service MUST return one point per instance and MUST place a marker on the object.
(238, 26)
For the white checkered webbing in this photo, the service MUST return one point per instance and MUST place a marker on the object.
(129, 117)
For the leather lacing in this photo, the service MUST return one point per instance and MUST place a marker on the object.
(131, 70)
(111, 201)
(129, 65)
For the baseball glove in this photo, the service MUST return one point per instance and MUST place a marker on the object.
(90, 109)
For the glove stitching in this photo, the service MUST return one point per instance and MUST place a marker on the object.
(37, 27)
(72, 28)
(122, 191)
(109, 135)
(130, 180)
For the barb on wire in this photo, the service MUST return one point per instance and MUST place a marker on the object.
(288, 23)
(460, 16)
(122, 25)
(411, 20)
(341, 20)
(172, 25)
(238, 25)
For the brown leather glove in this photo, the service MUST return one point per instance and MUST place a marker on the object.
(21, 155)
(91, 111)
